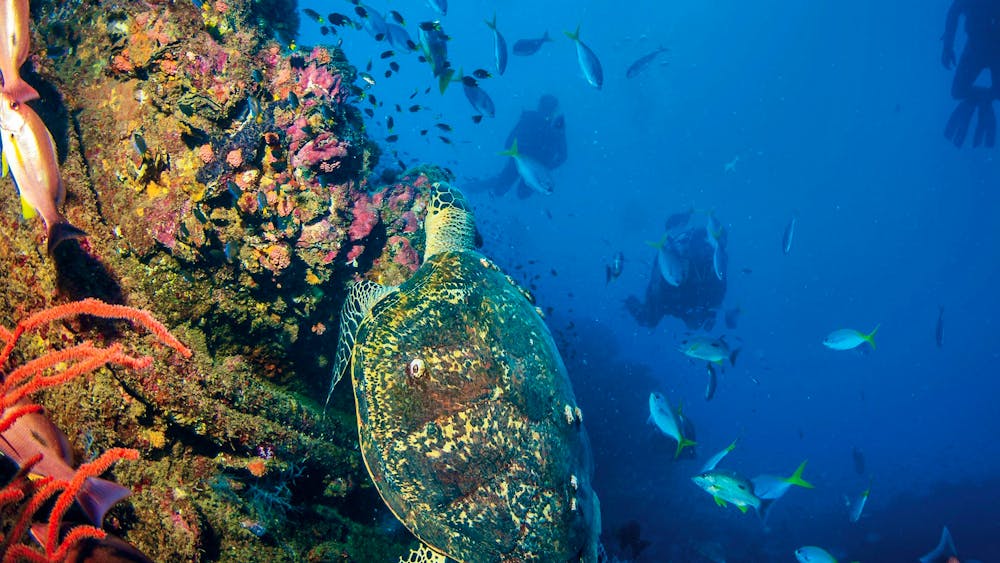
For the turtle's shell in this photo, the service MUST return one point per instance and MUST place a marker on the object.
(468, 424)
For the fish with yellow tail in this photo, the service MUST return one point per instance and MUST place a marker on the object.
(848, 339)
(30, 155)
(667, 421)
(15, 46)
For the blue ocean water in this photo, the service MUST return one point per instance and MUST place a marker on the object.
(831, 111)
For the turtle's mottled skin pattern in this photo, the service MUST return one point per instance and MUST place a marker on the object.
(462, 401)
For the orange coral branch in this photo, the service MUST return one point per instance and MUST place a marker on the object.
(10, 496)
(49, 360)
(44, 489)
(88, 365)
(92, 469)
(96, 308)
(78, 533)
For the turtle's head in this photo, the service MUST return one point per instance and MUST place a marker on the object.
(449, 224)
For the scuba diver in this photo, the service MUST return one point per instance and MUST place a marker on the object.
(981, 52)
(688, 280)
(540, 135)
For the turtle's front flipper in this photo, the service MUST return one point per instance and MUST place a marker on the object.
(423, 554)
(360, 300)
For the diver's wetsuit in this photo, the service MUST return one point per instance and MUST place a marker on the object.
(696, 300)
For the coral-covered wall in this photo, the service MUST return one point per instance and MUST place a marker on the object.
(223, 182)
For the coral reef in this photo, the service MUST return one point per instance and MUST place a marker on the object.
(223, 180)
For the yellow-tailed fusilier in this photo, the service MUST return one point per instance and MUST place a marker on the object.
(667, 421)
(726, 486)
(15, 45)
(856, 506)
(29, 153)
(848, 339)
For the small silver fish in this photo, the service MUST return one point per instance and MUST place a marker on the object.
(478, 98)
(533, 174)
(588, 61)
(813, 554)
(775, 486)
(499, 46)
(857, 506)
(439, 6)
(667, 421)
(789, 234)
(673, 268)
(715, 459)
(712, 382)
(526, 47)
(848, 338)
(643, 62)
(725, 486)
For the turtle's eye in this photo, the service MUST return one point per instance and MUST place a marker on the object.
(415, 368)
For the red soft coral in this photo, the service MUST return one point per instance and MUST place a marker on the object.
(365, 218)
(325, 151)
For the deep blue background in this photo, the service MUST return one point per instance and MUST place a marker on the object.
(836, 111)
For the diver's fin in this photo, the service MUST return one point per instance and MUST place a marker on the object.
(988, 122)
(958, 124)
(364, 294)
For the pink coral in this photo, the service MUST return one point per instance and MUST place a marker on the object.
(365, 218)
(401, 195)
(235, 158)
(276, 258)
(325, 151)
(318, 80)
(355, 252)
(405, 255)
(410, 222)
(297, 132)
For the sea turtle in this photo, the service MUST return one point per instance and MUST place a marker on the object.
(467, 421)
